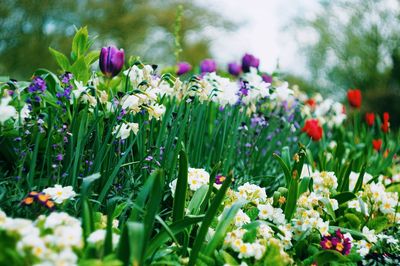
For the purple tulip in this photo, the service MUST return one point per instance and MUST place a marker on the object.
(234, 69)
(248, 61)
(208, 66)
(183, 68)
(266, 78)
(111, 61)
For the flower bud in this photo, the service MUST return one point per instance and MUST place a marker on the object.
(249, 61)
(183, 68)
(111, 61)
(234, 69)
(208, 66)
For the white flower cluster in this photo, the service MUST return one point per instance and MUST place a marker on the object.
(151, 88)
(51, 240)
(375, 198)
(60, 194)
(310, 205)
(197, 177)
(258, 89)
(219, 89)
(324, 182)
(327, 111)
(234, 240)
(267, 214)
(252, 193)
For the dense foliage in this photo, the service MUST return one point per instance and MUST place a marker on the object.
(135, 166)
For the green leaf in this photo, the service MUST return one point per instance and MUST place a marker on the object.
(81, 70)
(305, 184)
(91, 57)
(328, 208)
(325, 256)
(344, 197)
(360, 179)
(176, 228)
(210, 214)
(80, 43)
(378, 224)
(87, 212)
(178, 209)
(131, 243)
(284, 167)
(344, 180)
(353, 220)
(220, 231)
(61, 59)
(197, 200)
(153, 205)
(228, 258)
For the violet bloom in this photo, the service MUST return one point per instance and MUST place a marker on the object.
(336, 242)
(266, 78)
(59, 157)
(248, 61)
(38, 84)
(234, 69)
(111, 61)
(66, 77)
(208, 66)
(183, 68)
(219, 179)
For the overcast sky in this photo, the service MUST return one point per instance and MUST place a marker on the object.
(262, 32)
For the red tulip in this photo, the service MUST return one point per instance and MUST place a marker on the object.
(354, 97)
(377, 144)
(385, 125)
(313, 129)
(370, 119)
(311, 102)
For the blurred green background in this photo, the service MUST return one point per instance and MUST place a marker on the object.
(350, 43)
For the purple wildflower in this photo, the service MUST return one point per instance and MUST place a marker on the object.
(183, 68)
(208, 66)
(234, 69)
(249, 61)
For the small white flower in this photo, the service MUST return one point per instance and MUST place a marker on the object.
(124, 131)
(241, 218)
(266, 211)
(60, 194)
(6, 111)
(369, 234)
(99, 236)
(156, 111)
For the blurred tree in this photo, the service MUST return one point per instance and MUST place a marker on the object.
(356, 44)
(141, 27)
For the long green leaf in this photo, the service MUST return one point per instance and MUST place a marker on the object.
(210, 214)
(220, 232)
(178, 210)
(131, 244)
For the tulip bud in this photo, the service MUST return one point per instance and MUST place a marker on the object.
(183, 68)
(354, 97)
(266, 78)
(208, 66)
(248, 61)
(111, 61)
(234, 69)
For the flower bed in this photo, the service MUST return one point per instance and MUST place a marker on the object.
(137, 166)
